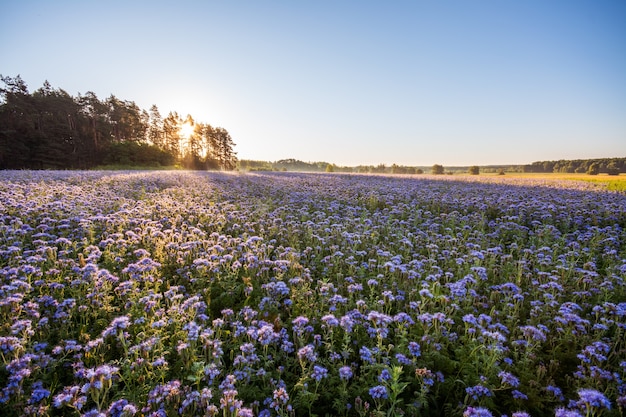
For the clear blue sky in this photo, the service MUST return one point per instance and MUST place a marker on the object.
(350, 82)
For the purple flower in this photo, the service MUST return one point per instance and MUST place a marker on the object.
(384, 375)
(266, 334)
(403, 360)
(245, 412)
(68, 395)
(562, 412)
(477, 412)
(281, 397)
(347, 323)
(508, 379)
(345, 373)
(518, 395)
(379, 391)
(556, 391)
(366, 355)
(193, 331)
(300, 321)
(160, 361)
(478, 391)
(307, 353)
(592, 398)
(228, 383)
(319, 373)
(403, 318)
(534, 333)
(162, 394)
(211, 372)
(414, 349)
(330, 320)
(247, 348)
(9, 344)
(379, 319)
(426, 293)
(118, 323)
(39, 393)
(596, 351)
(229, 400)
(103, 372)
(122, 408)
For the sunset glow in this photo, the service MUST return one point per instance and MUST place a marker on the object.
(186, 130)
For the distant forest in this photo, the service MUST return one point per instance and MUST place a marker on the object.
(50, 129)
(611, 166)
(301, 166)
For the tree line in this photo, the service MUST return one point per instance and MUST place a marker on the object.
(296, 165)
(611, 166)
(51, 129)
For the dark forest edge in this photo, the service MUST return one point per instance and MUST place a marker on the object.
(51, 129)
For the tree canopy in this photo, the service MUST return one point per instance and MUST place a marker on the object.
(612, 166)
(50, 129)
(437, 169)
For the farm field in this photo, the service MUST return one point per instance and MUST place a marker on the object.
(280, 294)
(609, 182)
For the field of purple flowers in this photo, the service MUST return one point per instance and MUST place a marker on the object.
(201, 294)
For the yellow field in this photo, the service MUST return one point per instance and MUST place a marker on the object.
(611, 182)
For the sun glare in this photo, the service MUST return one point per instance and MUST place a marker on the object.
(186, 130)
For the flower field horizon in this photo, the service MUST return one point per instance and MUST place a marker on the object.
(162, 293)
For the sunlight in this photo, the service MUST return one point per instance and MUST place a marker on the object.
(186, 130)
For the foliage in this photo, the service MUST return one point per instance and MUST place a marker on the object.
(137, 154)
(606, 165)
(398, 169)
(437, 169)
(50, 129)
(474, 170)
(291, 165)
(206, 293)
(594, 169)
(612, 168)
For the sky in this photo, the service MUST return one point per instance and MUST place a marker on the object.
(422, 82)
